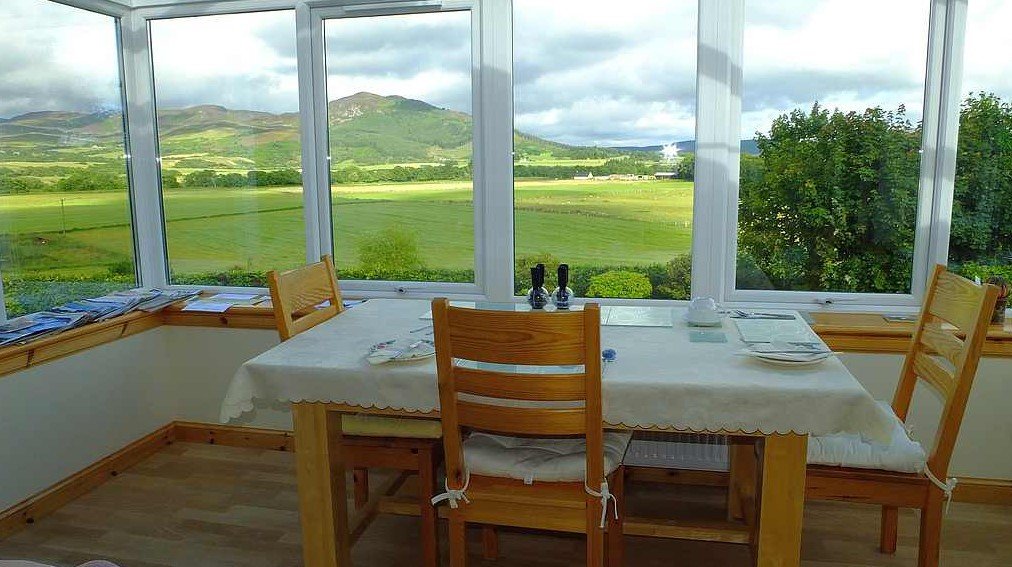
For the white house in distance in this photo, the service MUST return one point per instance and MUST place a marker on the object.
(583, 176)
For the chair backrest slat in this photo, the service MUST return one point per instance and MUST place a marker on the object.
(958, 301)
(296, 293)
(522, 420)
(544, 387)
(943, 342)
(929, 370)
(538, 338)
(507, 400)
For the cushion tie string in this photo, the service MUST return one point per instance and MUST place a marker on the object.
(605, 495)
(453, 495)
(947, 487)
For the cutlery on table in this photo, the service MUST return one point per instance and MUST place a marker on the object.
(739, 314)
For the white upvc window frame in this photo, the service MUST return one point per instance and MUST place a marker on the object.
(936, 143)
(120, 14)
(720, 51)
(315, 113)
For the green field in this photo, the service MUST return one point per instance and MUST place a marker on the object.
(582, 222)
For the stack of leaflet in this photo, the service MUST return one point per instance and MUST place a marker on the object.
(101, 308)
(38, 325)
(77, 313)
(154, 299)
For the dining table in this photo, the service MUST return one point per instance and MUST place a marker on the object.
(662, 376)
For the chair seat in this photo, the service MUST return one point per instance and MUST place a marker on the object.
(901, 454)
(378, 426)
(530, 459)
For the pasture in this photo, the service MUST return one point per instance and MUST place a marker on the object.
(582, 222)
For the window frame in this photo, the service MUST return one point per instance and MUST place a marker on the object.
(119, 13)
(720, 51)
(927, 195)
(317, 115)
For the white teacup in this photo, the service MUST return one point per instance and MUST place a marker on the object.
(703, 311)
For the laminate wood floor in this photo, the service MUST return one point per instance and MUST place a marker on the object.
(206, 505)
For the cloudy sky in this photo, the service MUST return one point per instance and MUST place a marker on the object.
(585, 72)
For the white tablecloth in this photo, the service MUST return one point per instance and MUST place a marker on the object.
(660, 378)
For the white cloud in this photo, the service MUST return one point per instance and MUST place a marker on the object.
(586, 71)
(226, 60)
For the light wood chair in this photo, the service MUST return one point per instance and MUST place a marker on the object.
(947, 364)
(481, 395)
(408, 445)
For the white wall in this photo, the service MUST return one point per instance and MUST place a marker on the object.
(984, 448)
(60, 417)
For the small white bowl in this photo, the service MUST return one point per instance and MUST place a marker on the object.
(701, 318)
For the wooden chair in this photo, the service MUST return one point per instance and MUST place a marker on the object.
(490, 479)
(409, 445)
(947, 364)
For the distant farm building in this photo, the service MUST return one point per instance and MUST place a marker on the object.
(583, 176)
(665, 175)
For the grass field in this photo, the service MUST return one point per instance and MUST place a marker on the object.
(582, 222)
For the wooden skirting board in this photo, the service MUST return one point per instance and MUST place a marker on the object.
(25, 513)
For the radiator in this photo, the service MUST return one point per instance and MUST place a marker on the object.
(678, 451)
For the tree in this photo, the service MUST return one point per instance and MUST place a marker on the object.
(982, 205)
(832, 204)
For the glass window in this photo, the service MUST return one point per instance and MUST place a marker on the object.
(399, 120)
(65, 230)
(604, 110)
(980, 242)
(831, 138)
(228, 133)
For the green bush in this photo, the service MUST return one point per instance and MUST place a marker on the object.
(983, 271)
(620, 283)
(391, 249)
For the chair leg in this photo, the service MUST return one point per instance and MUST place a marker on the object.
(360, 478)
(931, 529)
(458, 540)
(429, 515)
(890, 527)
(742, 478)
(595, 535)
(616, 539)
(489, 543)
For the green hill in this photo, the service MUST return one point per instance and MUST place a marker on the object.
(365, 129)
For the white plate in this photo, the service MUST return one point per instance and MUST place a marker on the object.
(788, 359)
(422, 348)
(790, 363)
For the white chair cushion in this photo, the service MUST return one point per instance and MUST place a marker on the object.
(902, 454)
(528, 459)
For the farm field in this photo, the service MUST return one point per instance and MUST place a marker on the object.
(582, 222)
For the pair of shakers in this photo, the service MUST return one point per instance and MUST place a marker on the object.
(538, 297)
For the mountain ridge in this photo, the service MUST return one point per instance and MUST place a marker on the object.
(365, 129)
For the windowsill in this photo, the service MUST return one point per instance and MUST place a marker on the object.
(870, 332)
(843, 332)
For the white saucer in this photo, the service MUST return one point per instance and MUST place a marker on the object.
(713, 323)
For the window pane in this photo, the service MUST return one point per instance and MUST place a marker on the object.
(981, 235)
(604, 109)
(228, 131)
(65, 227)
(399, 119)
(831, 138)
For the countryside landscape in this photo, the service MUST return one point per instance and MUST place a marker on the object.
(402, 201)
(401, 173)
